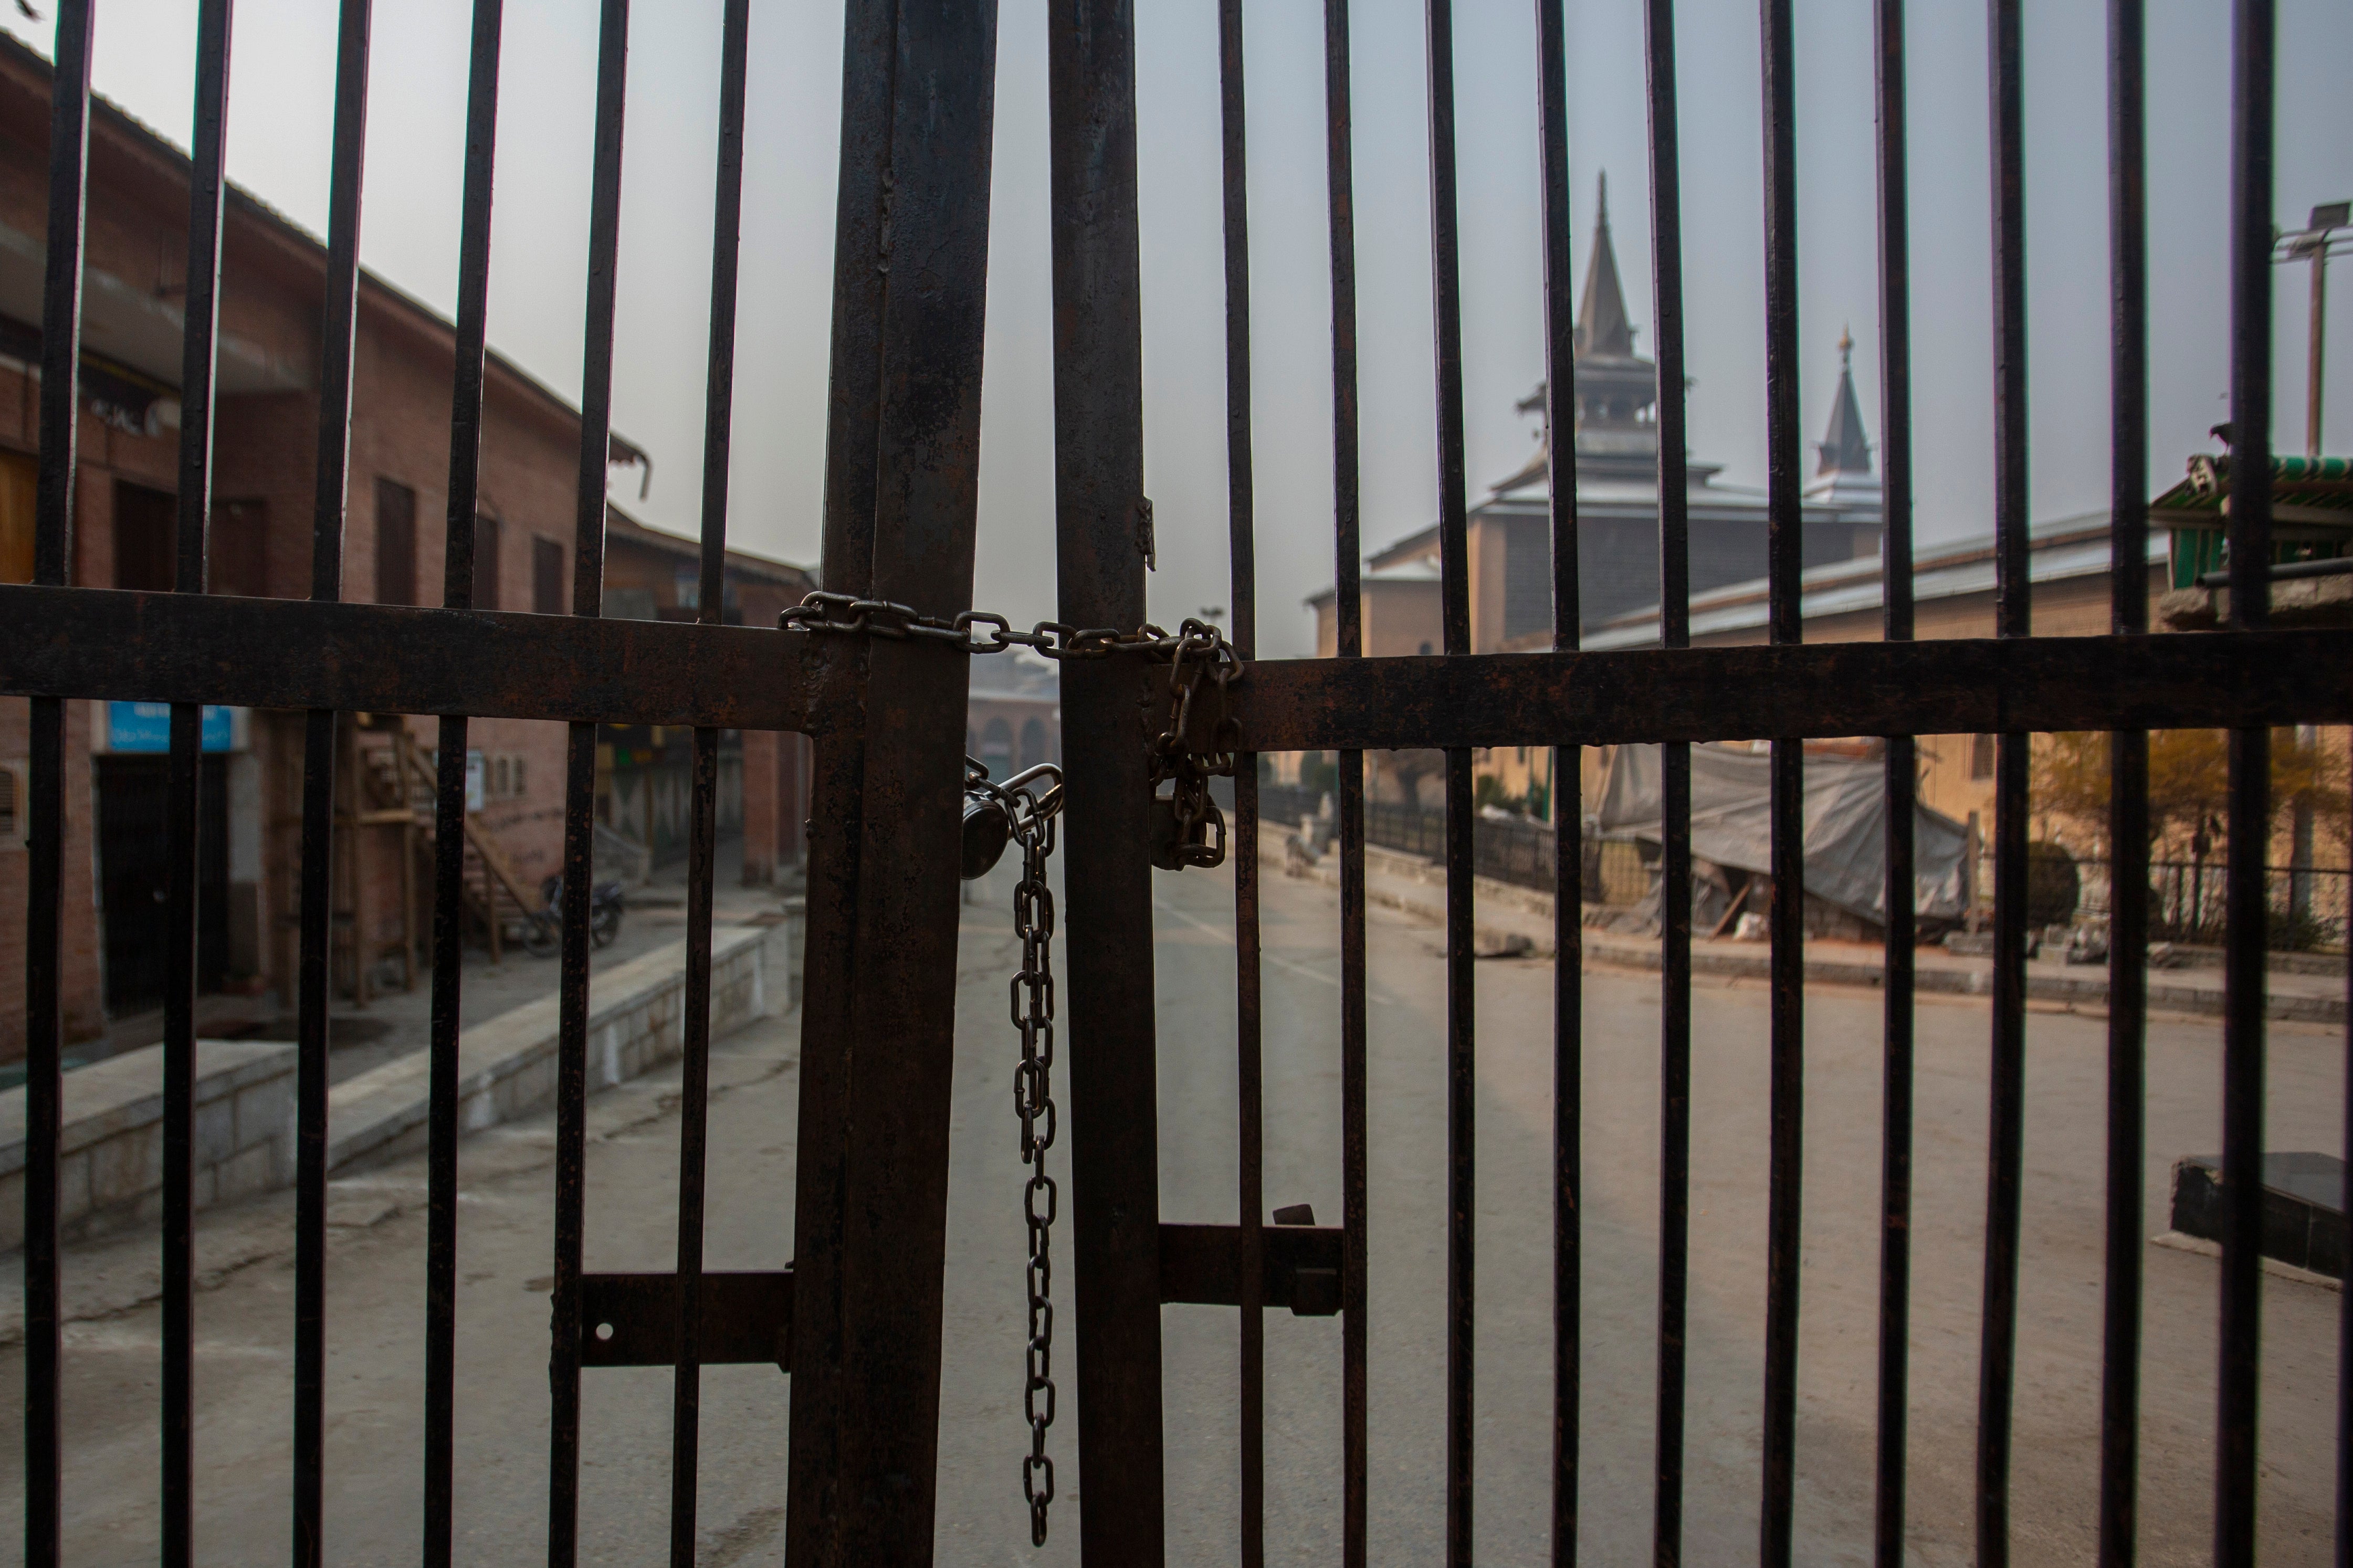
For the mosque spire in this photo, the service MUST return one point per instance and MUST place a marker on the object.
(1602, 327)
(1843, 447)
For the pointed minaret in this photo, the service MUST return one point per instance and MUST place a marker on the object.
(1614, 388)
(1843, 447)
(1602, 327)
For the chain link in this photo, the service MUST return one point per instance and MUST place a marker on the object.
(1030, 801)
(1188, 829)
(979, 631)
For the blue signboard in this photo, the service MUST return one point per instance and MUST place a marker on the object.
(147, 727)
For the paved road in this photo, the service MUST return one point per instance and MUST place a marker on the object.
(376, 1309)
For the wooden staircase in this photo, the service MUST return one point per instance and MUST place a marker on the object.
(495, 894)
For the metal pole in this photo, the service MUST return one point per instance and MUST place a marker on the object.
(2313, 371)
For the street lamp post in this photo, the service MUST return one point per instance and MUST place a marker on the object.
(2320, 238)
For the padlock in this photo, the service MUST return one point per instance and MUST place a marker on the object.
(987, 829)
(1177, 845)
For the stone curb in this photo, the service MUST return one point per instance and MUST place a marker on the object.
(111, 1168)
(507, 1064)
(1621, 955)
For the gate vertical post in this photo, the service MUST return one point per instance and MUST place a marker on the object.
(1102, 535)
(879, 1020)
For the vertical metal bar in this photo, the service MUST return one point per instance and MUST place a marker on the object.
(1099, 473)
(2254, 25)
(1240, 515)
(2129, 790)
(1568, 856)
(202, 322)
(1348, 643)
(53, 553)
(449, 800)
(1996, 1357)
(837, 773)
(1784, 551)
(339, 324)
(718, 433)
(1454, 595)
(1461, 1207)
(579, 800)
(1675, 868)
(441, 1132)
(1901, 759)
(686, 1394)
(45, 1093)
(871, 1228)
(1446, 284)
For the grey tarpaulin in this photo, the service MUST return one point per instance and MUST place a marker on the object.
(1845, 816)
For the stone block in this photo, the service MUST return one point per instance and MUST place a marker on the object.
(265, 1114)
(249, 1171)
(215, 1131)
(125, 1166)
(73, 1189)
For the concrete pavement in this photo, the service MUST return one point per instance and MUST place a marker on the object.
(244, 1314)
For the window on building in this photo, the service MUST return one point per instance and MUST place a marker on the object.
(997, 748)
(547, 578)
(486, 563)
(20, 478)
(9, 833)
(395, 543)
(240, 548)
(1981, 751)
(143, 526)
(516, 781)
(498, 776)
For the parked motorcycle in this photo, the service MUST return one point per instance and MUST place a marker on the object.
(605, 906)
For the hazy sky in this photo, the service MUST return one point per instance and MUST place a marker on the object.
(278, 134)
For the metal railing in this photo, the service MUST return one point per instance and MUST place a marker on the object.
(1509, 850)
(2308, 907)
(859, 1312)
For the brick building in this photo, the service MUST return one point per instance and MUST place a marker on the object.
(273, 278)
(643, 773)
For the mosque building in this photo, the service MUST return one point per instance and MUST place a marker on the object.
(1616, 442)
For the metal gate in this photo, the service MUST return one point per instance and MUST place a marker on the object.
(857, 1319)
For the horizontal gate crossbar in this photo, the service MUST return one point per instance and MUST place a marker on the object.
(1202, 1264)
(391, 658)
(297, 654)
(2170, 682)
(631, 1319)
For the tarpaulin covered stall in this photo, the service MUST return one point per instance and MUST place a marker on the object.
(1845, 813)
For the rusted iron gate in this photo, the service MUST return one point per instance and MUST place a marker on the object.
(856, 1321)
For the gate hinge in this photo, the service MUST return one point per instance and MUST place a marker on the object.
(631, 1319)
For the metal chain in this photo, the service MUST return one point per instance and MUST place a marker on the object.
(1030, 801)
(1188, 828)
(822, 612)
(1192, 834)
